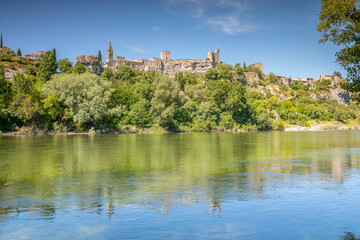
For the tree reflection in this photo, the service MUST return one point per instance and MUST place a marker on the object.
(349, 236)
(100, 174)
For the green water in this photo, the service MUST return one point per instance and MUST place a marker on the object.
(264, 185)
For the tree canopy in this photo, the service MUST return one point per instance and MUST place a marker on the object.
(340, 24)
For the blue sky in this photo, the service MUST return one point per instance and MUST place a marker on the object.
(279, 33)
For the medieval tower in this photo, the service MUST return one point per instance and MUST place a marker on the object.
(109, 54)
(165, 56)
(214, 56)
(217, 55)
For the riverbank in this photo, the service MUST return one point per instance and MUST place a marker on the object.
(312, 126)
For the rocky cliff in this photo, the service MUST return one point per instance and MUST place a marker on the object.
(36, 56)
(195, 66)
(90, 62)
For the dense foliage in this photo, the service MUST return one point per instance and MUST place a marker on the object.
(126, 100)
(340, 24)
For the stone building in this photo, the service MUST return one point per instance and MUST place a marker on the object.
(164, 64)
(258, 65)
(165, 56)
(214, 56)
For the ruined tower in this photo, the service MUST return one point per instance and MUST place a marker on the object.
(211, 56)
(109, 54)
(217, 55)
(165, 56)
(214, 56)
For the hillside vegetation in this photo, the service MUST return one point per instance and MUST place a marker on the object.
(38, 99)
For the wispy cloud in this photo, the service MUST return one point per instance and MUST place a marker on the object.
(157, 28)
(231, 25)
(134, 48)
(230, 17)
(130, 47)
(238, 5)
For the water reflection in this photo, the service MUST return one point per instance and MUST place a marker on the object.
(41, 176)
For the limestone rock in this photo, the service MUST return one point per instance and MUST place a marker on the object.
(251, 78)
(36, 56)
(90, 62)
(195, 66)
(340, 95)
(7, 52)
(295, 128)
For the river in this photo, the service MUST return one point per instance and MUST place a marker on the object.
(253, 185)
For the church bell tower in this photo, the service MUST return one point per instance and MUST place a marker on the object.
(109, 54)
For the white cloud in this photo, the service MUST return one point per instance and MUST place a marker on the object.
(131, 47)
(231, 25)
(134, 48)
(231, 16)
(238, 5)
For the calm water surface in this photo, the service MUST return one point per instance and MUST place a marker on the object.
(266, 185)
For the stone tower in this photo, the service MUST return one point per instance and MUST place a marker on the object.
(165, 56)
(109, 54)
(217, 55)
(211, 56)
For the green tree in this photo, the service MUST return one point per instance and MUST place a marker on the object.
(340, 24)
(99, 57)
(2, 72)
(185, 79)
(123, 96)
(337, 74)
(26, 100)
(1, 42)
(18, 53)
(208, 113)
(65, 65)
(272, 78)
(123, 72)
(225, 71)
(107, 74)
(30, 70)
(236, 102)
(218, 92)
(54, 53)
(167, 99)
(79, 68)
(23, 84)
(86, 95)
(47, 66)
(139, 113)
(5, 88)
(211, 74)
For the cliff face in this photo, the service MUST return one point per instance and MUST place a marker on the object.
(90, 62)
(195, 66)
(36, 56)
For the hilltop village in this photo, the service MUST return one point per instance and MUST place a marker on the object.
(40, 93)
(165, 65)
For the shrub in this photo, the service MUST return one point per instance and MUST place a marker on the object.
(323, 85)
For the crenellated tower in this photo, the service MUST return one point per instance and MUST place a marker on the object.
(165, 56)
(109, 54)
